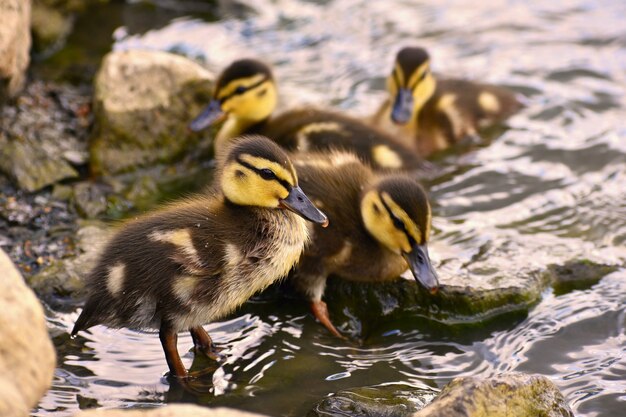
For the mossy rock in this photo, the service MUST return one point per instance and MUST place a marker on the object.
(577, 275)
(143, 102)
(505, 395)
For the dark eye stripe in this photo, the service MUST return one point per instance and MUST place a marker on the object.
(397, 222)
(420, 79)
(241, 89)
(259, 171)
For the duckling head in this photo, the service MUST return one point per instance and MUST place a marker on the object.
(245, 92)
(410, 84)
(257, 172)
(396, 212)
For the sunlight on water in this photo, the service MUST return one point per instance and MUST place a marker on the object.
(549, 189)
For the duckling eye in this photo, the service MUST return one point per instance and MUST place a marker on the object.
(240, 90)
(399, 224)
(267, 174)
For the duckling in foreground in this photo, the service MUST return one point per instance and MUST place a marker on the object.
(196, 260)
(430, 115)
(380, 226)
(246, 96)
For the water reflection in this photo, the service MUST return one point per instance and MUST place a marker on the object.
(549, 189)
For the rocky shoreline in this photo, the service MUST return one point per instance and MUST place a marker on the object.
(72, 158)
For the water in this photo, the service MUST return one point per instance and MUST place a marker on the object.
(550, 188)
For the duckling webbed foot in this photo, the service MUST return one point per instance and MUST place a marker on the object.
(320, 311)
(203, 344)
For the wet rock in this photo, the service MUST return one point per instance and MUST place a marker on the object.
(505, 395)
(14, 45)
(383, 401)
(43, 135)
(27, 357)
(577, 275)
(62, 282)
(175, 410)
(143, 102)
(89, 199)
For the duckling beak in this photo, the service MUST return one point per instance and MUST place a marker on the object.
(300, 204)
(402, 106)
(422, 269)
(210, 115)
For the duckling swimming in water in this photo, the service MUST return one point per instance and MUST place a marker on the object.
(196, 260)
(430, 115)
(246, 96)
(380, 227)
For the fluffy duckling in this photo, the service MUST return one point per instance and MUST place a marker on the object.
(380, 227)
(246, 96)
(196, 260)
(430, 115)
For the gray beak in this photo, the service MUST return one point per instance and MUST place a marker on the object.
(422, 269)
(210, 115)
(300, 204)
(402, 106)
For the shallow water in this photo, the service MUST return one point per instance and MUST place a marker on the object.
(550, 188)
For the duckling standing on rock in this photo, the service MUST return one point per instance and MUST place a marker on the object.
(196, 260)
(430, 115)
(246, 96)
(380, 226)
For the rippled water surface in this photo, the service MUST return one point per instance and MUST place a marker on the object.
(550, 188)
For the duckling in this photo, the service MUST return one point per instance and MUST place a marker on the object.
(196, 260)
(380, 227)
(430, 115)
(246, 96)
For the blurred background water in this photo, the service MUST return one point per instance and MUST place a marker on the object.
(550, 188)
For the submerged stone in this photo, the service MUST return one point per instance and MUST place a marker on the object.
(381, 401)
(504, 395)
(577, 275)
(143, 102)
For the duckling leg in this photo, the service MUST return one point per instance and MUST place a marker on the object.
(169, 338)
(202, 343)
(320, 311)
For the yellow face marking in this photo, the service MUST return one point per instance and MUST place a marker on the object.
(115, 280)
(230, 88)
(184, 287)
(409, 224)
(181, 238)
(489, 102)
(399, 73)
(380, 225)
(385, 157)
(279, 170)
(251, 106)
(246, 187)
(417, 74)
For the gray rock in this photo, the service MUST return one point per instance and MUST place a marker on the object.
(506, 395)
(50, 26)
(14, 45)
(27, 163)
(175, 410)
(65, 277)
(27, 357)
(382, 401)
(143, 102)
(43, 135)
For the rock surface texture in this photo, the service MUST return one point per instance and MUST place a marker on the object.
(143, 101)
(176, 410)
(14, 45)
(505, 395)
(27, 357)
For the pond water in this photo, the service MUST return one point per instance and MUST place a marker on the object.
(550, 188)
